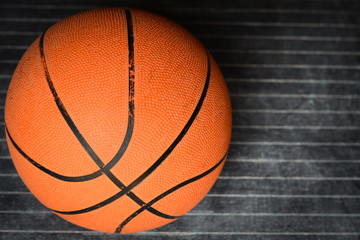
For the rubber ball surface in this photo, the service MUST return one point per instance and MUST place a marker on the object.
(118, 120)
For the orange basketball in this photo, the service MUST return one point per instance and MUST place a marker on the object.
(118, 120)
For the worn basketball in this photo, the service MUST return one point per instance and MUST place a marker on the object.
(118, 120)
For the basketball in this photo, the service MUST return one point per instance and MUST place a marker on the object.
(118, 120)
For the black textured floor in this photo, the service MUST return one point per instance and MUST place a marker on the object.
(292, 67)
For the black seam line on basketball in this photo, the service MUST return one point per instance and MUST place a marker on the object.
(158, 162)
(131, 115)
(164, 194)
(51, 173)
(63, 111)
(48, 171)
(115, 197)
(39, 166)
(66, 116)
(138, 200)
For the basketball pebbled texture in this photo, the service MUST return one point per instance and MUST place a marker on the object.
(118, 120)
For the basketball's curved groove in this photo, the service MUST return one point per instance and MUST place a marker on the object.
(48, 171)
(182, 133)
(164, 194)
(160, 160)
(63, 111)
(74, 179)
(42, 168)
(128, 135)
(136, 198)
(113, 198)
(73, 127)
(131, 114)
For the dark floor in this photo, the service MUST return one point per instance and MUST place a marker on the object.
(293, 70)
